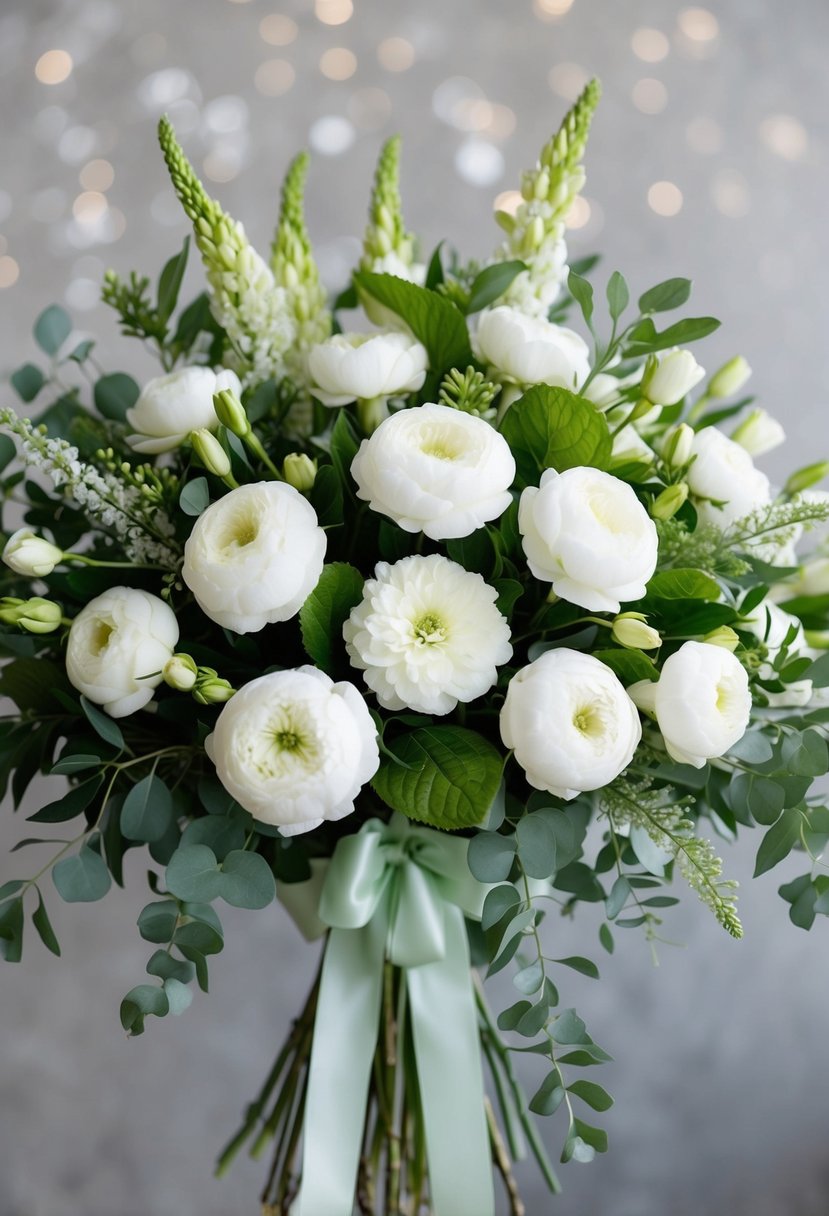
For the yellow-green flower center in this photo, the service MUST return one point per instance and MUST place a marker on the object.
(429, 629)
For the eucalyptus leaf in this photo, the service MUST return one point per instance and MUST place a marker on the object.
(52, 328)
(147, 810)
(83, 877)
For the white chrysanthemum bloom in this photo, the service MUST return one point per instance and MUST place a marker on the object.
(31, 555)
(172, 406)
(671, 377)
(295, 749)
(759, 433)
(587, 533)
(701, 702)
(531, 350)
(427, 634)
(570, 723)
(117, 648)
(724, 473)
(772, 625)
(435, 469)
(254, 556)
(362, 367)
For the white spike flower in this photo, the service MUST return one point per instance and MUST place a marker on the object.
(427, 634)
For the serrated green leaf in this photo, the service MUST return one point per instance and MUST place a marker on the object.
(552, 428)
(433, 319)
(445, 776)
(683, 585)
(325, 611)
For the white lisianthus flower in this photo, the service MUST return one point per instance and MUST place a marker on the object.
(172, 406)
(587, 533)
(772, 625)
(570, 723)
(701, 702)
(30, 555)
(435, 469)
(759, 433)
(118, 647)
(531, 350)
(362, 367)
(427, 634)
(671, 377)
(254, 556)
(295, 749)
(724, 473)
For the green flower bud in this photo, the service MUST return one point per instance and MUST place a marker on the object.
(231, 412)
(299, 471)
(180, 672)
(729, 379)
(678, 445)
(30, 555)
(210, 452)
(630, 629)
(666, 505)
(809, 476)
(210, 689)
(724, 636)
(35, 615)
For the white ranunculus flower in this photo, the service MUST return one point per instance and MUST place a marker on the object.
(672, 377)
(531, 350)
(701, 702)
(435, 469)
(772, 625)
(759, 433)
(254, 556)
(295, 749)
(587, 533)
(118, 645)
(30, 555)
(362, 367)
(570, 723)
(427, 634)
(172, 406)
(723, 472)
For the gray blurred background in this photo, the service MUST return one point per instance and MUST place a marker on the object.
(708, 158)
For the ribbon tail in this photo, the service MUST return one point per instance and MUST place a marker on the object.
(345, 1038)
(448, 1054)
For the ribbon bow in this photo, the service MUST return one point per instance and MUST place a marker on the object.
(398, 892)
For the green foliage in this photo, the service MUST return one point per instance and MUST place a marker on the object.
(52, 328)
(325, 611)
(488, 286)
(433, 319)
(552, 428)
(441, 775)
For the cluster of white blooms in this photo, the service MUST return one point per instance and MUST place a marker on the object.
(143, 531)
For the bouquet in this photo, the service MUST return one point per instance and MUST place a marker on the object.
(432, 631)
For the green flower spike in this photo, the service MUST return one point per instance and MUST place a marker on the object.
(292, 261)
(386, 243)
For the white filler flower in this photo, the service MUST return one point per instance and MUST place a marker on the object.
(172, 406)
(427, 634)
(587, 533)
(723, 479)
(294, 748)
(532, 350)
(30, 555)
(362, 367)
(117, 648)
(701, 702)
(254, 556)
(435, 469)
(570, 723)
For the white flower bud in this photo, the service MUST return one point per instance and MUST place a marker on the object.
(723, 636)
(210, 452)
(674, 375)
(759, 433)
(630, 629)
(729, 379)
(30, 555)
(231, 413)
(806, 477)
(678, 446)
(666, 504)
(180, 672)
(300, 471)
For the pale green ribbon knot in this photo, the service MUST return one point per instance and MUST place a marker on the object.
(399, 892)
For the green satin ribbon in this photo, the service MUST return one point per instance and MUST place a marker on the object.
(398, 892)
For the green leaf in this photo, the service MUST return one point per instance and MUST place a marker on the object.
(491, 284)
(220, 833)
(618, 295)
(67, 766)
(326, 496)
(629, 665)
(778, 841)
(583, 965)
(445, 776)
(434, 271)
(592, 1094)
(606, 938)
(82, 351)
(754, 748)
(193, 873)
(13, 886)
(509, 1018)
(529, 979)
(197, 936)
(31, 683)
(536, 846)
(763, 798)
(689, 330)
(8, 451)
(11, 930)
(114, 395)
(549, 1095)
(433, 319)
(178, 996)
(582, 293)
(683, 585)
(802, 896)
(343, 448)
(534, 1020)
(52, 328)
(673, 293)
(102, 724)
(27, 381)
(325, 611)
(140, 1002)
(499, 900)
(195, 496)
(569, 1028)
(71, 804)
(165, 967)
(247, 880)
(552, 428)
(157, 921)
(82, 878)
(805, 755)
(40, 920)
(169, 284)
(490, 856)
(147, 811)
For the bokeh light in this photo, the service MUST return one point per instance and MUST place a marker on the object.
(53, 67)
(665, 198)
